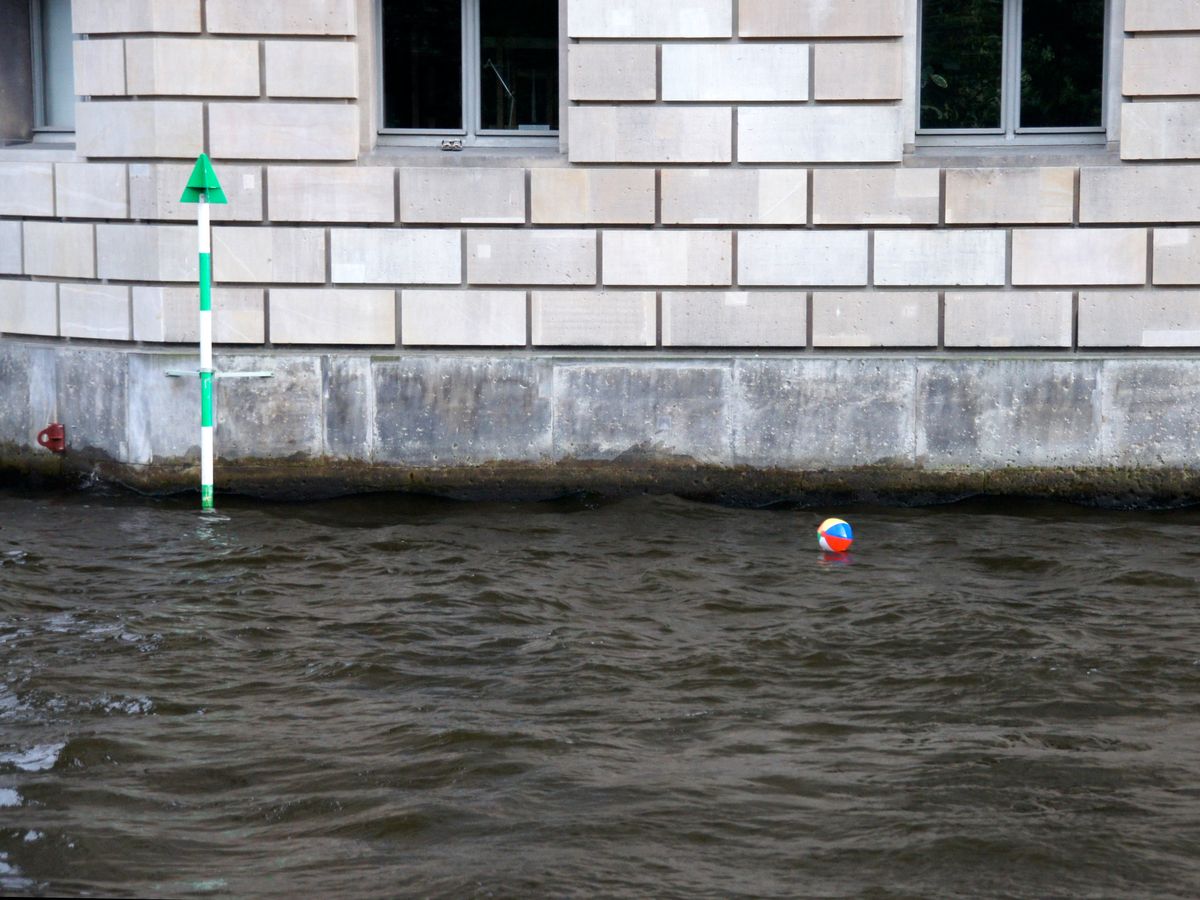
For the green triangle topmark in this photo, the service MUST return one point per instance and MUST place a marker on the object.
(204, 181)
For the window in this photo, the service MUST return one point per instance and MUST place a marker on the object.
(53, 67)
(1012, 69)
(470, 69)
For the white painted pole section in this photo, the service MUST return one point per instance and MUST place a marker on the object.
(206, 360)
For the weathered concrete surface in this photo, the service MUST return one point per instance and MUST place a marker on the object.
(732, 427)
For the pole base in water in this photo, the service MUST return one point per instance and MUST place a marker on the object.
(206, 496)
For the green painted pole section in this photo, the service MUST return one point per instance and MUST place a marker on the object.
(205, 281)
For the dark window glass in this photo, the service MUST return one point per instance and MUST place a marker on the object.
(962, 49)
(518, 64)
(1062, 63)
(422, 64)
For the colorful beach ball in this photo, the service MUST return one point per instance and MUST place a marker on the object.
(835, 535)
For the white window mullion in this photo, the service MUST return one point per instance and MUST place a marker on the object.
(470, 76)
(1010, 91)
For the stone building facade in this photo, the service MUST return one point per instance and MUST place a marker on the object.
(740, 249)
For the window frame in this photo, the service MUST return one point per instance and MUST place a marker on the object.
(43, 132)
(472, 135)
(1010, 133)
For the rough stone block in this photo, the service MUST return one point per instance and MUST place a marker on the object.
(462, 195)
(10, 247)
(594, 319)
(191, 67)
(349, 406)
(396, 256)
(120, 16)
(99, 311)
(1070, 256)
(635, 19)
(1177, 255)
(99, 68)
(331, 194)
(28, 307)
(735, 196)
(329, 316)
(278, 255)
(802, 257)
(872, 71)
(832, 134)
(292, 17)
(1141, 318)
(462, 318)
(668, 257)
(143, 128)
(939, 257)
(147, 252)
(92, 391)
(592, 196)
(1150, 412)
(875, 319)
(714, 72)
(876, 196)
(59, 249)
(162, 411)
(169, 315)
(252, 423)
(154, 192)
(1008, 319)
(311, 69)
(91, 190)
(612, 72)
(1160, 130)
(531, 257)
(1162, 15)
(1138, 194)
(734, 318)
(821, 18)
(1042, 195)
(610, 134)
(26, 189)
(318, 131)
(1161, 66)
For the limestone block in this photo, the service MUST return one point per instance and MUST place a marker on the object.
(153, 128)
(734, 318)
(531, 257)
(819, 134)
(1162, 15)
(60, 249)
(311, 69)
(875, 319)
(168, 315)
(735, 196)
(594, 318)
(99, 311)
(462, 318)
(637, 19)
(1138, 194)
(91, 190)
(191, 67)
(462, 195)
(1177, 255)
(1166, 130)
(28, 307)
(876, 196)
(1139, 318)
(279, 255)
(1042, 195)
(99, 68)
(650, 134)
(283, 130)
(802, 257)
(113, 16)
(147, 252)
(26, 189)
(10, 247)
(1161, 66)
(821, 18)
(600, 196)
(715, 72)
(292, 17)
(1071, 256)
(328, 316)
(872, 71)
(331, 194)
(154, 192)
(396, 256)
(1008, 319)
(612, 72)
(668, 257)
(1149, 408)
(939, 257)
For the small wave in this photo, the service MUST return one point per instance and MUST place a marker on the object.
(35, 759)
(9, 797)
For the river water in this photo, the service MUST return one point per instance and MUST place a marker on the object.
(389, 696)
